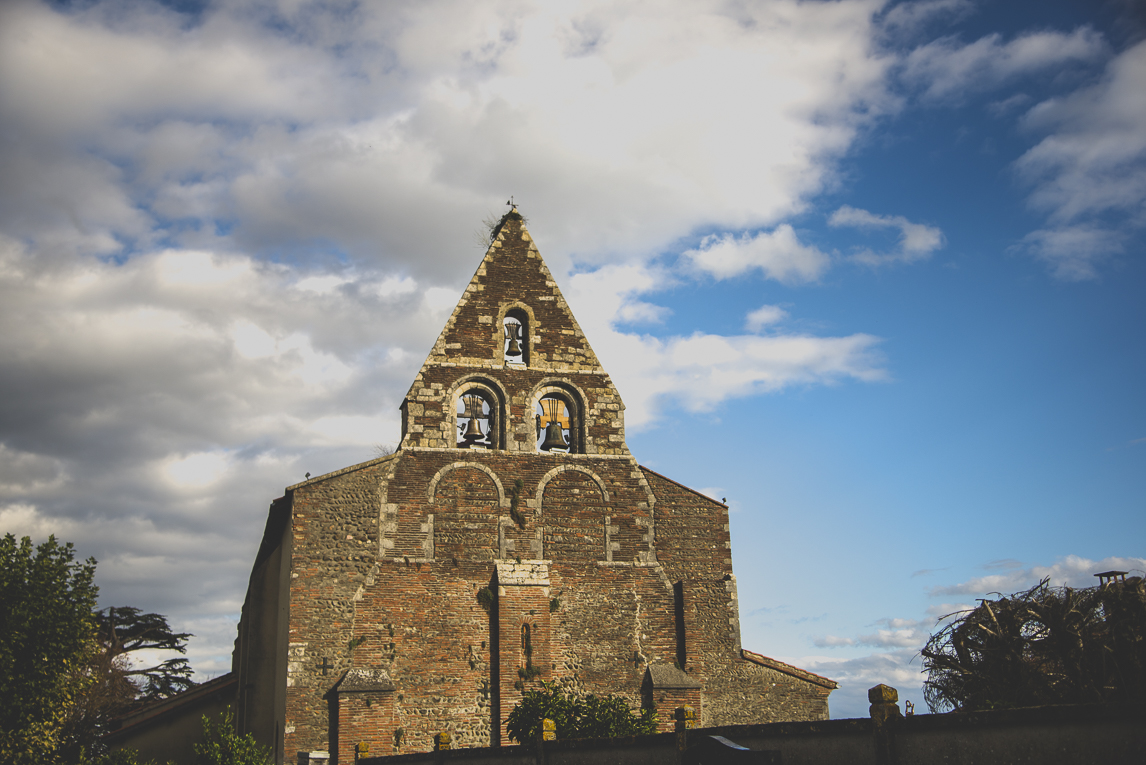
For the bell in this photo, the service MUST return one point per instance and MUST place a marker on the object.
(555, 421)
(554, 437)
(473, 432)
(513, 334)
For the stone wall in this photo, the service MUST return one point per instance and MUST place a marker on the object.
(476, 562)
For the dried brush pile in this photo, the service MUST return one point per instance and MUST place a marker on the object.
(1048, 645)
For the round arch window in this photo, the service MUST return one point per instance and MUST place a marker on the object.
(476, 420)
(555, 426)
(515, 337)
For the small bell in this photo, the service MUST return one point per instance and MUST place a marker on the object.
(513, 335)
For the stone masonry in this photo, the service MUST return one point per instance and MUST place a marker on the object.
(425, 591)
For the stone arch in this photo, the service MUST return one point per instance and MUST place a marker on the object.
(432, 489)
(574, 401)
(524, 315)
(561, 469)
(494, 394)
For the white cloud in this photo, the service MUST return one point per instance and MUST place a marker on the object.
(385, 130)
(281, 211)
(1089, 174)
(778, 254)
(908, 18)
(892, 633)
(948, 69)
(764, 316)
(898, 668)
(702, 370)
(916, 240)
(196, 471)
(1072, 571)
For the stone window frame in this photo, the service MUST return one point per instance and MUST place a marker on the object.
(530, 329)
(574, 401)
(495, 394)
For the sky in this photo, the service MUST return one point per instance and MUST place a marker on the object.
(872, 271)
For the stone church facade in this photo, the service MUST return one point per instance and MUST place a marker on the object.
(511, 539)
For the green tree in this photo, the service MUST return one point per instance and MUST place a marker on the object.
(223, 746)
(47, 632)
(576, 716)
(1047, 645)
(115, 685)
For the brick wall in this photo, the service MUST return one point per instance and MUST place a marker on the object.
(597, 558)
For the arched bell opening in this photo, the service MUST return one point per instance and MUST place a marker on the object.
(515, 337)
(557, 423)
(477, 419)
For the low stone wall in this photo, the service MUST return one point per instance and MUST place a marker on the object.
(1081, 735)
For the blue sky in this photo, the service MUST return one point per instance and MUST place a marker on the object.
(872, 271)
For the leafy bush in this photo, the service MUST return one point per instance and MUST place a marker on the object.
(576, 716)
(223, 746)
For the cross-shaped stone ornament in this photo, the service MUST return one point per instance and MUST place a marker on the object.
(326, 665)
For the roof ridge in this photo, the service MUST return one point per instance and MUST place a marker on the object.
(788, 669)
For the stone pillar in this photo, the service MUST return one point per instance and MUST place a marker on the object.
(884, 718)
(524, 653)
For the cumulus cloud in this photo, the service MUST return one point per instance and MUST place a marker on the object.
(701, 370)
(344, 127)
(906, 19)
(898, 668)
(1089, 173)
(949, 69)
(230, 235)
(764, 316)
(890, 633)
(151, 409)
(916, 240)
(778, 254)
(1071, 571)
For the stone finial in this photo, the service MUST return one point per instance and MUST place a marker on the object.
(442, 741)
(883, 700)
(685, 718)
(548, 730)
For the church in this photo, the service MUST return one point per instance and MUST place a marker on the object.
(510, 539)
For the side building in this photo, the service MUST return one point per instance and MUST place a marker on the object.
(510, 539)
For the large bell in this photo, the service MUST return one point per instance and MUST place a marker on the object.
(474, 410)
(554, 438)
(513, 335)
(473, 431)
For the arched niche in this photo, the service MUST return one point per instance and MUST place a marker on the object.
(559, 419)
(517, 327)
(478, 409)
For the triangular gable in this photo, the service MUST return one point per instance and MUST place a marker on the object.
(512, 275)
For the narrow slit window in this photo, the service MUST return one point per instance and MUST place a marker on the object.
(678, 618)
